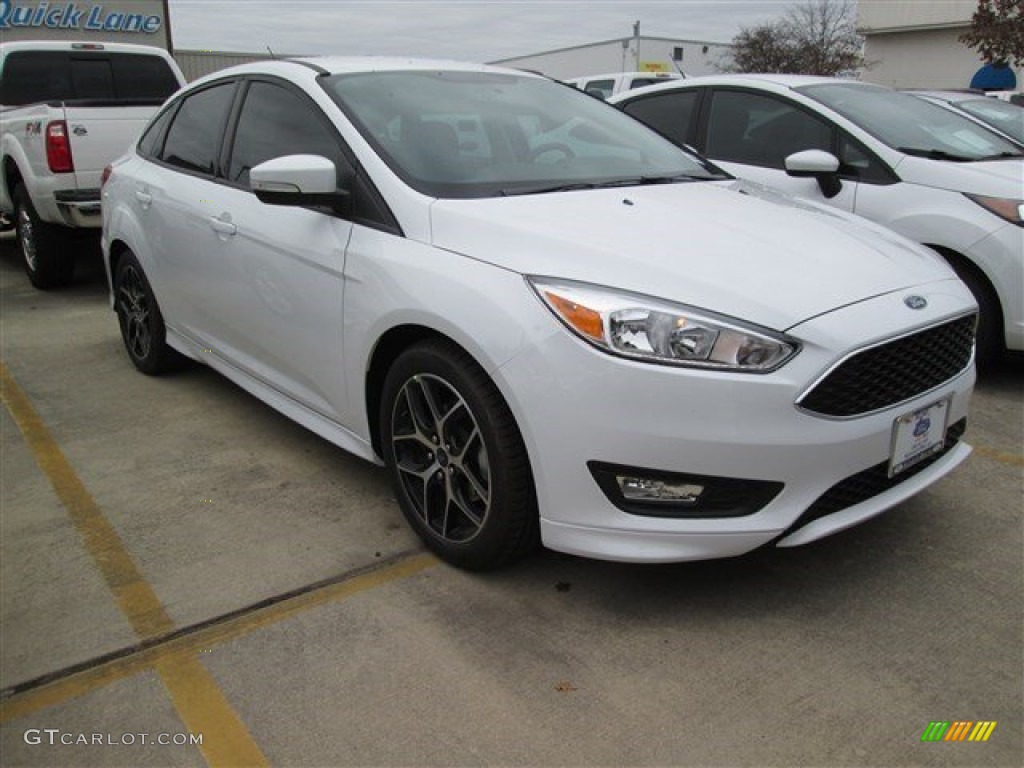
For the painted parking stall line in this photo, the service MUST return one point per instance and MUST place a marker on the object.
(197, 697)
(50, 692)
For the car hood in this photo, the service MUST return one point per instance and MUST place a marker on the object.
(731, 247)
(995, 178)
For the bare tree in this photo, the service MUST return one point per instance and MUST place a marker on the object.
(997, 31)
(815, 38)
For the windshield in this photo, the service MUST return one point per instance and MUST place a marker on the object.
(910, 124)
(481, 134)
(1008, 118)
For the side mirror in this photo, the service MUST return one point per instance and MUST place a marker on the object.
(297, 180)
(823, 166)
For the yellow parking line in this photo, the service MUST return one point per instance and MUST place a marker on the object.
(199, 701)
(1013, 459)
(134, 596)
(205, 639)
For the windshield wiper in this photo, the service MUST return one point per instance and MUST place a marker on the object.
(936, 154)
(672, 178)
(634, 181)
(1002, 155)
(540, 189)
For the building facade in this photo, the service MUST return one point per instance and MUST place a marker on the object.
(144, 22)
(913, 44)
(628, 54)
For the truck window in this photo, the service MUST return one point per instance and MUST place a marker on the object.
(34, 76)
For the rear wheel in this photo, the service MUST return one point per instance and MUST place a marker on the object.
(142, 324)
(456, 458)
(44, 248)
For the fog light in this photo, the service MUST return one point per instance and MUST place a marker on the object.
(658, 493)
(649, 489)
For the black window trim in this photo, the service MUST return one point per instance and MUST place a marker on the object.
(389, 223)
(835, 130)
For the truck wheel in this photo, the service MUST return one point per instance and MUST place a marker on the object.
(48, 260)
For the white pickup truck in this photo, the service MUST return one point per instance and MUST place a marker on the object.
(66, 111)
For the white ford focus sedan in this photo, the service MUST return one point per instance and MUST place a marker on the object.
(548, 322)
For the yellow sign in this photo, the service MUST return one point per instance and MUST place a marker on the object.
(654, 66)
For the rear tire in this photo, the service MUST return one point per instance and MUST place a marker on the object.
(44, 247)
(142, 325)
(456, 458)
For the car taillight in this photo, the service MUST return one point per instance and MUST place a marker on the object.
(58, 148)
(107, 172)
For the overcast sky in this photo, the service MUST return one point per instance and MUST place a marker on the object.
(461, 29)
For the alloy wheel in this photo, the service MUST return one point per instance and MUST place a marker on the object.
(441, 458)
(133, 306)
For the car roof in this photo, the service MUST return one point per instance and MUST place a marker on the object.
(950, 95)
(337, 65)
(638, 73)
(773, 81)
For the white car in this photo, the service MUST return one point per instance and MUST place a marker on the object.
(936, 177)
(608, 85)
(629, 356)
(999, 115)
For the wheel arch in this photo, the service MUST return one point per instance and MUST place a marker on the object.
(118, 248)
(12, 176)
(961, 264)
(389, 346)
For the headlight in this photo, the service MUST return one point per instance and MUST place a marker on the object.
(645, 328)
(1004, 207)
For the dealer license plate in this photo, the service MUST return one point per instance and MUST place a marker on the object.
(918, 435)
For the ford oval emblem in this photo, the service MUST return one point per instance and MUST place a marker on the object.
(915, 302)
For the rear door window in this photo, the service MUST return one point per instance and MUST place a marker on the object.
(670, 114)
(194, 138)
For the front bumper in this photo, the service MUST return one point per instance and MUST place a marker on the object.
(576, 404)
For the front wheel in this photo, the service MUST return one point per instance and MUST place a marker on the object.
(456, 458)
(989, 340)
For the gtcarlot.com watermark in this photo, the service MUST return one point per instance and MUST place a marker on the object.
(55, 737)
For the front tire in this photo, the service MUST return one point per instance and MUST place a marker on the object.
(48, 260)
(988, 343)
(456, 458)
(142, 324)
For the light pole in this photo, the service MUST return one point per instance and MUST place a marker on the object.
(636, 44)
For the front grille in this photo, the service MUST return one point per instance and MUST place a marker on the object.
(873, 481)
(893, 372)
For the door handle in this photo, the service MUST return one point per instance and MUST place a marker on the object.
(223, 227)
(144, 198)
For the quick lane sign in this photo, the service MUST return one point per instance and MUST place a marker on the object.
(72, 16)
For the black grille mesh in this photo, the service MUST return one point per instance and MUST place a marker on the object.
(891, 373)
(873, 481)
